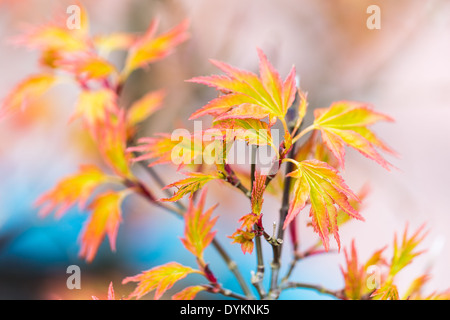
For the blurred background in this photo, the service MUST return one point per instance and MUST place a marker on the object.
(402, 69)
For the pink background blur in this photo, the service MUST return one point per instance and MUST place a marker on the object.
(402, 69)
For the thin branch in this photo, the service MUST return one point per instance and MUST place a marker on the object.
(225, 292)
(280, 234)
(231, 264)
(182, 209)
(231, 178)
(335, 293)
(257, 279)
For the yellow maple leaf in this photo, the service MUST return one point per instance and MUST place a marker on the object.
(72, 189)
(93, 106)
(106, 215)
(27, 91)
(160, 279)
(148, 48)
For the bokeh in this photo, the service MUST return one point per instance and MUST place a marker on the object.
(402, 69)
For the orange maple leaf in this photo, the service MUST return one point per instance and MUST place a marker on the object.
(112, 136)
(345, 123)
(188, 293)
(95, 106)
(193, 182)
(198, 225)
(104, 220)
(148, 48)
(164, 148)
(27, 91)
(245, 239)
(68, 191)
(249, 96)
(144, 107)
(325, 188)
(160, 279)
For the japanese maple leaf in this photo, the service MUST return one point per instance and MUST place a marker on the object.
(257, 199)
(355, 275)
(164, 148)
(245, 234)
(406, 251)
(27, 91)
(105, 217)
(254, 132)
(150, 48)
(105, 44)
(56, 37)
(386, 292)
(144, 107)
(198, 232)
(245, 239)
(189, 185)
(112, 136)
(75, 188)
(325, 188)
(249, 96)
(414, 290)
(86, 66)
(158, 279)
(95, 106)
(188, 293)
(345, 123)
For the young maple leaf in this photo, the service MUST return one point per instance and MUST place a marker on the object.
(184, 149)
(355, 275)
(245, 239)
(144, 107)
(259, 186)
(315, 149)
(245, 234)
(56, 34)
(68, 191)
(94, 107)
(404, 254)
(414, 290)
(160, 279)
(86, 66)
(249, 220)
(249, 96)
(192, 183)
(54, 37)
(27, 91)
(198, 225)
(188, 293)
(252, 131)
(105, 44)
(388, 291)
(345, 122)
(104, 220)
(148, 48)
(113, 139)
(342, 217)
(325, 188)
